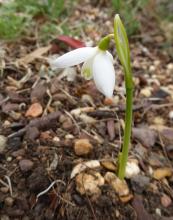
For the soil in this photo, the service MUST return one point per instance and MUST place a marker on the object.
(37, 144)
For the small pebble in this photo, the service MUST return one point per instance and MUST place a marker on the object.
(56, 140)
(4, 217)
(67, 124)
(161, 173)
(109, 165)
(14, 143)
(69, 136)
(146, 92)
(62, 118)
(157, 62)
(127, 198)
(4, 189)
(140, 183)
(18, 153)
(159, 120)
(38, 180)
(152, 68)
(78, 199)
(82, 147)
(26, 165)
(25, 218)
(158, 212)
(89, 183)
(34, 110)
(120, 186)
(171, 115)
(3, 141)
(9, 201)
(9, 159)
(132, 169)
(169, 149)
(166, 200)
(6, 124)
(170, 66)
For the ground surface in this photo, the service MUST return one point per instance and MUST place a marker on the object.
(55, 122)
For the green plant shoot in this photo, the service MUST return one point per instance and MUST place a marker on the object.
(97, 62)
(123, 52)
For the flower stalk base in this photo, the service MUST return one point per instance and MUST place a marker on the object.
(123, 156)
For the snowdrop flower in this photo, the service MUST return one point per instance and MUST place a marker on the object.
(98, 64)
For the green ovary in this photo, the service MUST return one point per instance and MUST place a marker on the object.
(87, 73)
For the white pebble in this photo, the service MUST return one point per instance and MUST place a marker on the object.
(158, 212)
(171, 114)
(132, 169)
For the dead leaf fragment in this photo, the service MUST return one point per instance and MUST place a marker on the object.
(33, 55)
(38, 92)
(166, 133)
(111, 129)
(34, 110)
(161, 173)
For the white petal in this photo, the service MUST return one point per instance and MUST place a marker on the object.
(104, 74)
(73, 57)
(110, 56)
(87, 69)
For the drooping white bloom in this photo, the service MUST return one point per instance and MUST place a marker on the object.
(98, 64)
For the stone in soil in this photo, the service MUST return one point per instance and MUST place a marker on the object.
(166, 201)
(120, 186)
(5, 217)
(161, 173)
(89, 184)
(169, 149)
(83, 147)
(91, 164)
(4, 189)
(34, 110)
(14, 143)
(26, 165)
(38, 180)
(18, 153)
(3, 141)
(139, 183)
(9, 201)
(109, 165)
(132, 169)
(145, 135)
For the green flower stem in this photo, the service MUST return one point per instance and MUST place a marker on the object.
(127, 134)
